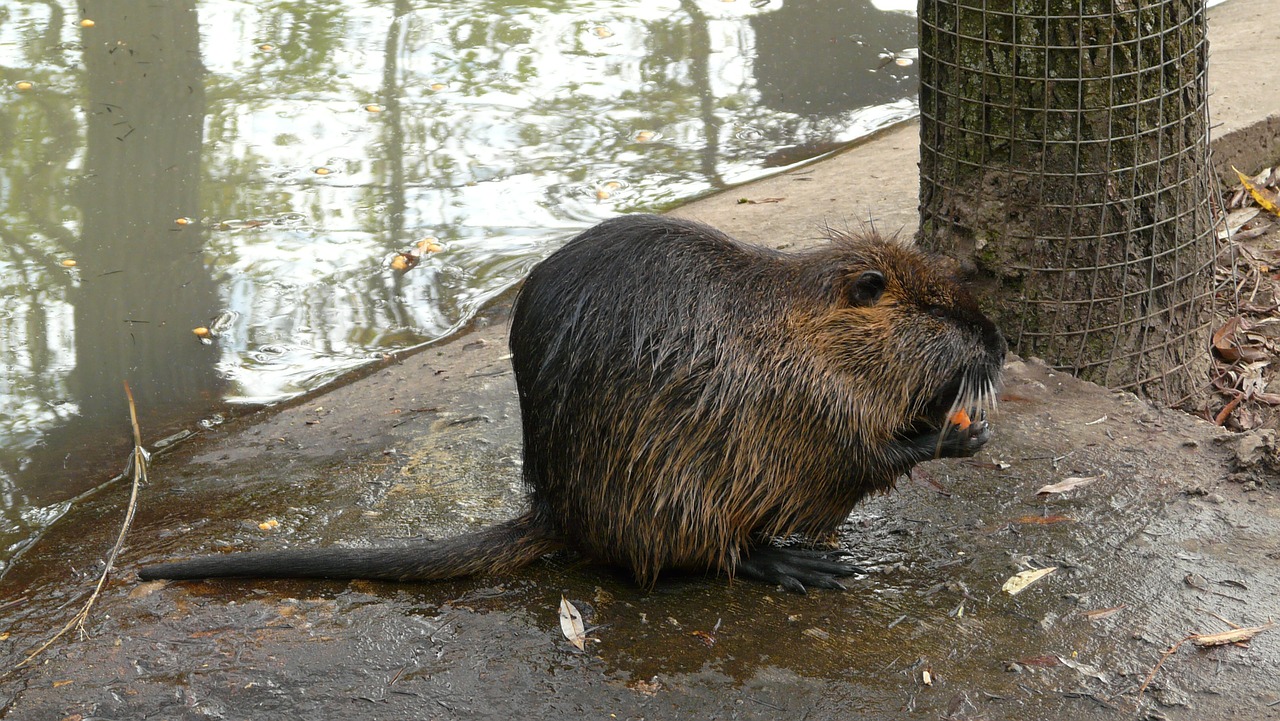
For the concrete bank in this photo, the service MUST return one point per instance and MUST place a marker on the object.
(1178, 533)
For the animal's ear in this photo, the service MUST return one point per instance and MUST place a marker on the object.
(867, 288)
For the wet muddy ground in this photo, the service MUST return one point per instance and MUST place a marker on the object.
(1179, 533)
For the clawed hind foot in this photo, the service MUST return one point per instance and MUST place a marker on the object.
(795, 569)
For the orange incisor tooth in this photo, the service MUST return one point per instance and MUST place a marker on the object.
(960, 419)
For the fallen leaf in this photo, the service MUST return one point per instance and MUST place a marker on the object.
(142, 590)
(571, 624)
(1020, 581)
(1266, 199)
(1086, 669)
(1236, 220)
(1230, 348)
(1235, 635)
(1045, 520)
(1046, 661)
(705, 637)
(1098, 613)
(1067, 484)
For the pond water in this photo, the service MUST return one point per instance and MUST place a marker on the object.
(254, 167)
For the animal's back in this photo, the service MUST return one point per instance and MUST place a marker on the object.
(676, 405)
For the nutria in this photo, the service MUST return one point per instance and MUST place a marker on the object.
(686, 397)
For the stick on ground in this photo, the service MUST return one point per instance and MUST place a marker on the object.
(138, 461)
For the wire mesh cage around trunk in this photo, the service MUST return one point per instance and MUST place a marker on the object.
(1064, 148)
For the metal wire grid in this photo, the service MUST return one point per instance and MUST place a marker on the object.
(1105, 181)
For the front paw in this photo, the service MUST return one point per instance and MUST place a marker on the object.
(963, 442)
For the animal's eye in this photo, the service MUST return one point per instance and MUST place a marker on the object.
(938, 311)
(867, 288)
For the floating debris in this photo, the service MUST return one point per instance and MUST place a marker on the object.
(408, 259)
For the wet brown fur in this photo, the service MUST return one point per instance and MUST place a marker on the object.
(686, 397)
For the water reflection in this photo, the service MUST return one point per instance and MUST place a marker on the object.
(261, 162)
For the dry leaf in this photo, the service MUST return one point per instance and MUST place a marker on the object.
(1266, 199)
(705, 637)
(1098, 613)
(1045, 520)
(1068, 484)
(1046, 661)
(1228, 346)
(1236, 220)
(1020, 581)
(571, 624)
(1086, 669)
(142, 590)
(1235, 635)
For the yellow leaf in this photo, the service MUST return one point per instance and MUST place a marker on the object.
(1259, 194)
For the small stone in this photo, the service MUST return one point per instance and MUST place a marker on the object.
(1254, 446)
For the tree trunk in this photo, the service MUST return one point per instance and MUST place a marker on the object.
(1064, 156)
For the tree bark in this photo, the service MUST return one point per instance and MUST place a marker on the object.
(1064, 158)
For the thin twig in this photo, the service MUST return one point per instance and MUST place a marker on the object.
(1172, 650)
(139, 476)
(1236, 635)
